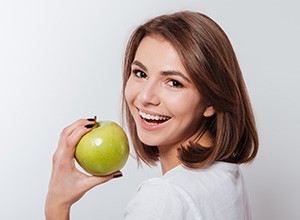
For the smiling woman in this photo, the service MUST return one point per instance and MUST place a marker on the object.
(186, 107)
(194, 46)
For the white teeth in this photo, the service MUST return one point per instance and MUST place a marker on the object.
(153, 117)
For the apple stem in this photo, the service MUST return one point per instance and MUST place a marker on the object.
(96, 123)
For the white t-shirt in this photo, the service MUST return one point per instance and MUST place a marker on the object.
(215, 193)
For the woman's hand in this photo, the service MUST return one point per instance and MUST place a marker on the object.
(67, 184)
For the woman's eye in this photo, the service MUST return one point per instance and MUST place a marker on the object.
(175, 83)
(139, 73)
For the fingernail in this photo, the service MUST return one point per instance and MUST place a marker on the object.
(117, 175)
(89, 125)
(90, 119)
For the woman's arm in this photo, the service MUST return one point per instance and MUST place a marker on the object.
(67, 184)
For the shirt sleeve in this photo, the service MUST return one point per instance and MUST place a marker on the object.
(155, 199)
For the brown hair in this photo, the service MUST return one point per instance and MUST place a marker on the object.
(210, 61)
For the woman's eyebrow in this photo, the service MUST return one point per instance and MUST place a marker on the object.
(138, 63)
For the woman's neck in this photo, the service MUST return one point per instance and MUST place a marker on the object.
(168, 155)
(168, 159)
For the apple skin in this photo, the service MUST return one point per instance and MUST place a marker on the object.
(103, 150)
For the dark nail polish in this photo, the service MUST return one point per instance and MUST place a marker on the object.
(90, 119)
(89, 125)
(117, 175)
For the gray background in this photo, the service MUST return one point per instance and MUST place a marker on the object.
(62, 60)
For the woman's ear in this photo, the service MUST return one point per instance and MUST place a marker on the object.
(210, 111)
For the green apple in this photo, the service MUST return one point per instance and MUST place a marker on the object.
(103, 150)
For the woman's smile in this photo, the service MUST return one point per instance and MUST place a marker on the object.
(153, 118)
(151, 121)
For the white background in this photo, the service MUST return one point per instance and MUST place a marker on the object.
(62, 60)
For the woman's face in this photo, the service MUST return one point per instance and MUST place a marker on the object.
(163, 101)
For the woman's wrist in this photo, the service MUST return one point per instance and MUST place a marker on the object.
(56, 211)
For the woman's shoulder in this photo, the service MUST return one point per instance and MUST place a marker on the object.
(216, 171)
(185, 185)
(218, 178)
(219, 173)
(156, 188)
(155, 198)
(189, 192)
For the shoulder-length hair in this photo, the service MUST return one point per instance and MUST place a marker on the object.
(211, 63)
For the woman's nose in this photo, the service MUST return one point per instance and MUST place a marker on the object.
(149, 94)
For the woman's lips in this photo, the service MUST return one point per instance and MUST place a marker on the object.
(152, 121)
(153, 118)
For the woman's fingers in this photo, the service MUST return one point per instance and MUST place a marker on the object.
(72, 140)
(69, 138)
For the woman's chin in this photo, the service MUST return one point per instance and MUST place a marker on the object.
(148, 142)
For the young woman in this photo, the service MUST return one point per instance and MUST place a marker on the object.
(186, 107)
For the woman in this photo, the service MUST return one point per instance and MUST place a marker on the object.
(186, 107)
